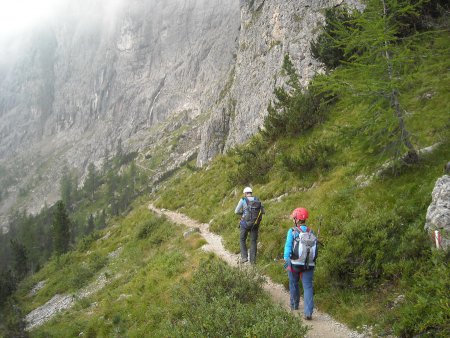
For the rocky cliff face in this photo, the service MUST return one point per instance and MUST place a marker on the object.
(269, 30)
(105, 71)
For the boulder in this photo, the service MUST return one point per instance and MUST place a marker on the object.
(438, 213)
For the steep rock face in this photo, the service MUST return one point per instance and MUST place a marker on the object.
(270, 29)
(105, 71)
(438, 213)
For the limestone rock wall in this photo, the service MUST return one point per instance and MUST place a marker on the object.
(270, 29)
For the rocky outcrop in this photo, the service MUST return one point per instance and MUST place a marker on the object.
(438, 213)
(269, 30)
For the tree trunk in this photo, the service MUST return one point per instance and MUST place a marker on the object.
(412, 156)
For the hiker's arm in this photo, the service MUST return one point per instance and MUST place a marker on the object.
(238, 210)
(288, 245)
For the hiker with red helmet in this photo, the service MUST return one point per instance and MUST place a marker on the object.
(300, 252)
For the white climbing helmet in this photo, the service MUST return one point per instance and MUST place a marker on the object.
(247, 189)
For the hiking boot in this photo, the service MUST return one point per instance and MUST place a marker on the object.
(243, 261)
(308, 317)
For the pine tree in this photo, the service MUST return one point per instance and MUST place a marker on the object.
(66, 187)
(294, 110)
(91, 181)
(61, 229)
(133, 176)
(106, 166)
(101, 219)
(91, 225)
(381, 62)
(7, 285)
(20, 259)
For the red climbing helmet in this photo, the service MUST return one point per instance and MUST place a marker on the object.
(300, 214)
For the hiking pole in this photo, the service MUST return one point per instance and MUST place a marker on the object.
(318, 230)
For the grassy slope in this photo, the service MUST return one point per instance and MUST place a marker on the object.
(155, 274)
(348, 215)
(145, 270)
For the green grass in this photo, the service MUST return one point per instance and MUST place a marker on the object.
(149, 283)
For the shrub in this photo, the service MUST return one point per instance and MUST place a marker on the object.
(295, 110)
(226, 302)
(155, 230)
(148, 227)
(315, 154)
(254, 161)
(425, 311)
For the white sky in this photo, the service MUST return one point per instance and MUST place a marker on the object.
(18, 15)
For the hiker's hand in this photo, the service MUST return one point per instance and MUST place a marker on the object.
(287, 263)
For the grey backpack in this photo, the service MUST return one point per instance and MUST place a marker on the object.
(304, 249)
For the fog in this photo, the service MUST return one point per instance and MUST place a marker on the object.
(19, 17)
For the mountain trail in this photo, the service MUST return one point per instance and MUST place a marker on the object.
(322, 325)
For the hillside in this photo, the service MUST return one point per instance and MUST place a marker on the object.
(376, 266)
(360, 147)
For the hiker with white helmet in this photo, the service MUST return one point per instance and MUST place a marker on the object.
(300, 253)
(251, 210)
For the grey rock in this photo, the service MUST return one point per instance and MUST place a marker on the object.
(44, 313)
(438, 213)
(269, 30)
(36, 288)
(190, 232)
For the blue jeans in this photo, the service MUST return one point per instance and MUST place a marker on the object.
(253, 242)
(308, 292)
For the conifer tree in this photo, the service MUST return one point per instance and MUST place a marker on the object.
(133, 176)
(66, 187)
(101, 219)
(91, 181)
(61, 229)
(91, 225)
(106, 166)
(7, 285)
(20, 259)
(380, 64)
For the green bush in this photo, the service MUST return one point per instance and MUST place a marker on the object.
(315, 154)
(425, 311)
(295, 110)
(87, 240)
(224, 302)
(254, 161)
(148, 227)
(365, 254)
(155, 229)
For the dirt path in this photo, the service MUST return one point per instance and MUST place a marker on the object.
(322, 324)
